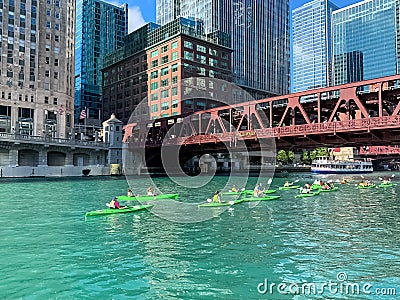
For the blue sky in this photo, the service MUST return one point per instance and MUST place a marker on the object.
(141, 12)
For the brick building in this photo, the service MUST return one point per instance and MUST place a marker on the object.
(154, 61)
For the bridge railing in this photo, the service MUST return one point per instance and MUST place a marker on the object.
(9, 137)
(362, 125)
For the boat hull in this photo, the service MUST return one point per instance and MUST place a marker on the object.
(316, 171)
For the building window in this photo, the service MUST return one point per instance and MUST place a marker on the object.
(154, 74)
(154, 53)
(174, 79)
(164, 49)
(164, 82)
(211, 73)
(47, 73)
(213, 62)
(174, 91)
(164, 59)
(164, 71)
(174, 103)
(154, 97)
(154, 86)
(174, 55)
(164, 106)
(154, 108)
(201, 49)
(188, 44)
(56, 62)
(201, 59)
(154, 63)
(188, 55)
(174, 68)
(55, 101)
(57, 26)
(174, 45)
(213, 52)
(164, 94)
(48, 24)
(46, 100)
(55, 75)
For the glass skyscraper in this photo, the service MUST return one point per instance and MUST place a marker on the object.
(366, 40)
(260, 38)
(100, 29)
(312, 45)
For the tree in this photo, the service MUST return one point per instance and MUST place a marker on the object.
(282, 157)
(322, 152)
(290, 155)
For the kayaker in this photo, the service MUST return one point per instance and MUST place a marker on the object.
(343, 181)
(287, 184)
(150, 192)
(234, 189)
(257, 190)
(216, 197)
(114, 203)
(130, 193)
(306, 189)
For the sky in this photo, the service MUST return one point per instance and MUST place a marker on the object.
(144, 11)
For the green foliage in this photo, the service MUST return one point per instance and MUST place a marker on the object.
(290, 155)
(282, 157)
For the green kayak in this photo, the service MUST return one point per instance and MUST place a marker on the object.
(382, 185)
(366, 187)
(285, 188)
(217, 204)
(308, 194)
(255, 199)
(109, 211)
(146, 198)
(316, 186)
(329, 190)
(248, 192)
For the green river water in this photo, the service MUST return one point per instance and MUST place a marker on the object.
(48, 250)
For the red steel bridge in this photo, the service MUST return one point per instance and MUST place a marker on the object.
(364, 113)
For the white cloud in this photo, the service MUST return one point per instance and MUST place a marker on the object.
(135, 18)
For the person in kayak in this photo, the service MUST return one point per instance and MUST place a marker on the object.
(306, 189)
(234, 189)
(114, 204)
(287, 184)
(257, 190)
(216, 197)
(130, 193)
(150, 192)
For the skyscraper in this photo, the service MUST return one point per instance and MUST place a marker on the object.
(37, 82)
(100, 29)
(260, 38)
(312, 46)
(366, 36)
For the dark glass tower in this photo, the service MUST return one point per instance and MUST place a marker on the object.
(100, 29)
(260, 38)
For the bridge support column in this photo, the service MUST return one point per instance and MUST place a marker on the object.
(42, 158)
(69, 159)
(13, 157)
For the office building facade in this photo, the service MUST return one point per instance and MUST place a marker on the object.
(365, 40)
(153, 63)
(312, 45)
(100, 28)
(37, 67)
(260, 38)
